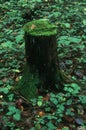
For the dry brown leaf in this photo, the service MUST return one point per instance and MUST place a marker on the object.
(41, 113)
(33, 26)
(46, 98)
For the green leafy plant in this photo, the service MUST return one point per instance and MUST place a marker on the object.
(13, 111)
(82, 99)
(72, 88)
(69, 112)
(53, 109)
(70, 19)
(8, 108)
(56, 106)
(65, 128)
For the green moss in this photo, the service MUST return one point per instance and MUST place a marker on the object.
(27, 86)
(41, 27)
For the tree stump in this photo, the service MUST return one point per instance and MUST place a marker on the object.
(42, 67)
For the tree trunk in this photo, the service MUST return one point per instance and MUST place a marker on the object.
(41, 58)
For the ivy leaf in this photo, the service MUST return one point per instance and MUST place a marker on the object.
(39, 103)
(17, 116)
(67, 25)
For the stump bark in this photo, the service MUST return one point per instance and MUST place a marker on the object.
(42, 65)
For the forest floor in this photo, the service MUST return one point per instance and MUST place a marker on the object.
(51, 111)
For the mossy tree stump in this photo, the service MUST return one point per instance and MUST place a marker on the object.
(41, 59)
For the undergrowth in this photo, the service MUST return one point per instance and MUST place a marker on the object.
(53, 111)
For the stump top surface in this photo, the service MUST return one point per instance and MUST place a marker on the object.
(41, 27)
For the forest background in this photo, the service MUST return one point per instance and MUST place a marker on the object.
(70, 20)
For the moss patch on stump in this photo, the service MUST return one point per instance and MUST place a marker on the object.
(27, 85)
(41, 27)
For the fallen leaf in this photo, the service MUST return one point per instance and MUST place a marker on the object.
(1, 96)
(41, 113)
(81, 128)
(4, 80)
(80, 111)
(26, 114)
(19, 102)
(33, 26)
(68, 119)
(28, 122)
(17, 79)
(47, 97)
(22, 108)
(79, 121)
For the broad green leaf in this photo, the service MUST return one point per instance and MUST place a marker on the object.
(4, 90)
(1, 83)
(74, 39)
(37, 126)
(67, 25)
(10, 97)
(39, 103)
(7, 44)
(17, 116)
(16, 70)
(65, 128)
(84, 21)
(12, 109)
(19, 38)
